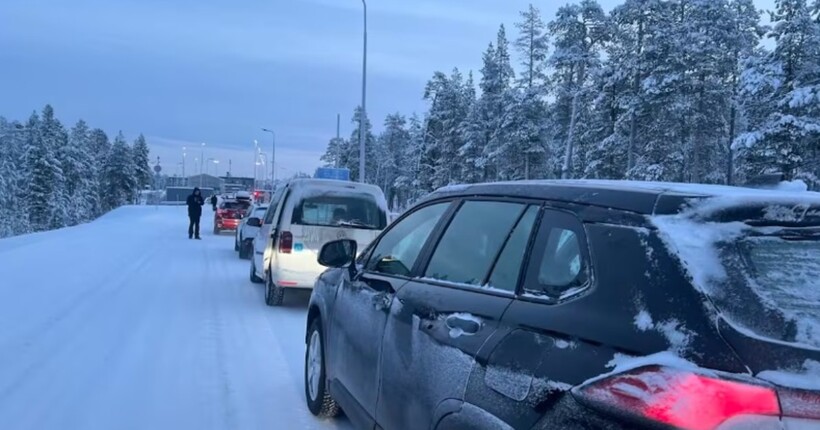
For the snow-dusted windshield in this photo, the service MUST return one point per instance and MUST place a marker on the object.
(785, 274)
(340, 209)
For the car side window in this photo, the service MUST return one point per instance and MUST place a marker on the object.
(508, 267)
(274, 203)
(399, 248)
(560, 265)
(469, 247)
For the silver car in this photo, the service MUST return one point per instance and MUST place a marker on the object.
(247, 229)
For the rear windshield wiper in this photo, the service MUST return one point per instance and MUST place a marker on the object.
(355, 224)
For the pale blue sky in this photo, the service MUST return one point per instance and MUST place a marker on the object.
(186, 71)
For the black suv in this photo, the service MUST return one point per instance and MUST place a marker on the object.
(559, 305)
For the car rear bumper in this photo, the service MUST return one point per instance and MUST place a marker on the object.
(297, 279)
(227, 224)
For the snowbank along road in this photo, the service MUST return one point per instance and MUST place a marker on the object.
(125, 323)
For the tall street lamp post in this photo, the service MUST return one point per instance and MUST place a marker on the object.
(364, 100)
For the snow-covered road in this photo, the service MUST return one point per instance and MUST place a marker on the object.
(124, 323)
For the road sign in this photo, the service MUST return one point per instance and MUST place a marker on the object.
(157, 168)
(332, 173)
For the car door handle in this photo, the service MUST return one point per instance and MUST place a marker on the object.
(463, 324)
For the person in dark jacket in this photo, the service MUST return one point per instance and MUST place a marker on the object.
(214, 201)
(195, 202)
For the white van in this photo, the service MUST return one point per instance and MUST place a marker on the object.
(303, 215)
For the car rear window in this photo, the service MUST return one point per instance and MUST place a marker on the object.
(236, 205)
(785, 274)
(348, 209)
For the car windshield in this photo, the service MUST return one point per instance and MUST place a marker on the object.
(236, 205)
(340, 209)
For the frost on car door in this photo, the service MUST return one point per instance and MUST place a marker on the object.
(361, 309)
(439, 321)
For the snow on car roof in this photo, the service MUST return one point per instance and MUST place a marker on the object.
(705, 190)
(709, 198)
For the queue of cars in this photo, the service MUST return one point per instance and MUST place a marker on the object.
(551, 304)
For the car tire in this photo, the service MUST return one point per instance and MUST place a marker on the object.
(216, 230)
(245, 250)
(274, 294)
(236, 247)
(318, 399)
(255, 279)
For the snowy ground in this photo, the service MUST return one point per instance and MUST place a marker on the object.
(124, 323)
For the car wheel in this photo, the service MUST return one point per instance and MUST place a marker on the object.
(245, 250)
(216, 230)
(274, 294)
(236, 244)
(255, 279)
(318, 398)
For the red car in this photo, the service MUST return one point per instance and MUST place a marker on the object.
(228, 215)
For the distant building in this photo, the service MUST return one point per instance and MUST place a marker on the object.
(206, 181)
(175, 181)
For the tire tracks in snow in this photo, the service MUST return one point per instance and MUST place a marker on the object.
(40, 336)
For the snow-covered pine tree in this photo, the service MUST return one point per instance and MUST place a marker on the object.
(119, 183)
(501, 100)
(408, 185)
(351, 158)
(533, 45)
(450, 101)
(48, 203)
(786, 84)
(477, 129)
(77, 161)
(100, 150)
(393, 140)
(747, 32)
(142, 169)
(13, 182)
(334, 156)
(579, 31)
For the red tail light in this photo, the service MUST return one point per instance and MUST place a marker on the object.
(285, 242)
(680, 399)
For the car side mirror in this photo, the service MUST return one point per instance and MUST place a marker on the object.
(254, 222)
(338, 253)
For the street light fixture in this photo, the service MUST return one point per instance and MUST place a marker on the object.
(364, 100)
(273, 156)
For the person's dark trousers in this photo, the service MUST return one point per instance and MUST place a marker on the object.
(193, 226)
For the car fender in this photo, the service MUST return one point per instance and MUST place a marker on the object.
(322, 299)
(454, 414)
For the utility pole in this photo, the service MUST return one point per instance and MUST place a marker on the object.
(364, 101)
